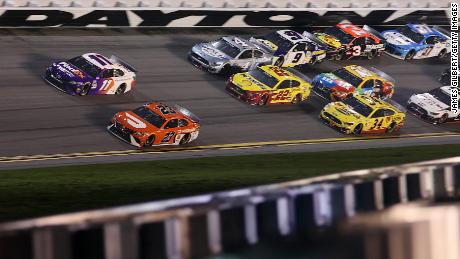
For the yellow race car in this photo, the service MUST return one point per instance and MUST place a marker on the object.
(363, 114)
(269, 85)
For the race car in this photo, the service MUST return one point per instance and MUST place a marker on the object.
(227, 53)
(417, 41)
(433, 106)
(363, 114)
(353, 80)
(291, 48)
(91, 73)
(347, 41)
(155, 124)
(269, 85)
(445, 77)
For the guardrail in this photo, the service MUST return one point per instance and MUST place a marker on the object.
(209, 224)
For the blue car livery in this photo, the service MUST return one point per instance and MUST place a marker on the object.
(417, 41)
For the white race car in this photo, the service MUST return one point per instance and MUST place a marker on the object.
(433, 106)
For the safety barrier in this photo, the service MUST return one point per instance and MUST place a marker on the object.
(209, 224)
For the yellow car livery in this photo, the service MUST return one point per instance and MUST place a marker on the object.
(363, 114)
(269, 85)
(353, 80)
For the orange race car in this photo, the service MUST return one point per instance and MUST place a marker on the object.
(155, 124)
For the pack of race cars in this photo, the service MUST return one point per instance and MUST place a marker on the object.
(262, 72)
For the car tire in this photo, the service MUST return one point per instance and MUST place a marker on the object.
(185, 139)
(121, 89)
(150, 140)
(371, 54)
(410, 55)
(279, 62)
(391, 128)
(443, 118)
(340, 54)
(85, 89)
(442, 53)
(263, 100)
(358, 129)
(297, 99)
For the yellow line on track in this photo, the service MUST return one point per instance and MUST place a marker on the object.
(247, 145)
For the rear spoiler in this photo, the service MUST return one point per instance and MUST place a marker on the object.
(314, 39)
(374, 32)
(442, 31)
(186, 112)
(297, 73)
(123, 63)
(382, 74)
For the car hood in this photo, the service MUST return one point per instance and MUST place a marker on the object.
(208, 52)
(330, 80)
(135, 123)
(248, 83)
(396, 38)
(343, 112)
(68, 72)
(330, 40)
(428, 102)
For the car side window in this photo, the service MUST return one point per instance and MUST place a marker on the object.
(430, 40)
(311, 47)
(388, 112)
(107, 73)
(118, 72)
(295, 83)
(258, 54)
(379, 113)
(174, 123)
(300, 47)
(369, 84)
(370, 41)
(182, 123)
(285, 84)
(360, 41)
(246, 54)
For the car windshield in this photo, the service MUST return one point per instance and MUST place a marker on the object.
(263, 77)
(348, 77)
(442, 96)
(414, 36)
(342, 36)
(151, 117)
(278, 40)
(226, 48)
(358, 106)
(85, 65)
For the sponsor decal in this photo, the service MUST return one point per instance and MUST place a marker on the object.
(454, 58)
(168, 17)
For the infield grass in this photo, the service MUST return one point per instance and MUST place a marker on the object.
(44, 191)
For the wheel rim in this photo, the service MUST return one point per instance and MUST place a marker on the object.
(296, 100)
(262, 100)
(85, 90)
(185, 139)
(120, 90)
(391, 128)
(357, 130)
(443, 118)
(410, 55)
(442, 53)
(279, 62)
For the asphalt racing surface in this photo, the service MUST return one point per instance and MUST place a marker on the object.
(36, 118)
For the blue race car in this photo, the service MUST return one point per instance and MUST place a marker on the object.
(417, 41)
(91, 73)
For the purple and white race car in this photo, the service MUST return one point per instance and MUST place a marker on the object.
(92, 73)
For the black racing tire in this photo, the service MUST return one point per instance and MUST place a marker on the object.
(443, 118)
(358, 129)
(262, 100)
(121, 89)
(279, 62)
(226, 70)
(442, 53)
(371, 54)
(297, 99)
(391, 128)
(85, 89)
(340, 54)
(150, 140)
(410, 55)
(313, 60)
(185, 139)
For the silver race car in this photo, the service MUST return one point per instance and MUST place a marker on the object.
(229, 52)
(433, 106)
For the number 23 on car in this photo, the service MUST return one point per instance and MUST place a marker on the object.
(363, 114)
(269, 85)
(155, 124)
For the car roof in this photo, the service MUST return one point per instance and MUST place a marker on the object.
(357, 31)
(374, 102)
(240, 43)
(101, 61)
(279, 73)
(283, 34)
(154, 106)
(361, 72)
(423, 29)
